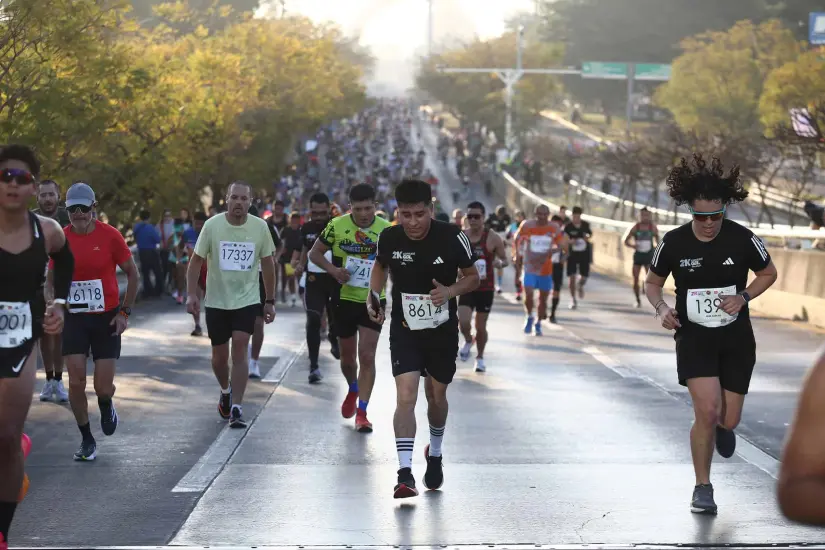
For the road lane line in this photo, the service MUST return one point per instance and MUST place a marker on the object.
(213, 461)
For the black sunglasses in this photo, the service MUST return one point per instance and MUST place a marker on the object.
(82, 208)
(473, 216)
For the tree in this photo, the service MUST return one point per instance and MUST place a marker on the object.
(798, 84)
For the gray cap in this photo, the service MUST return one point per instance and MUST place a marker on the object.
(80, 193)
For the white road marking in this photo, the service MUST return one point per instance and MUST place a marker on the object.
(213, 461)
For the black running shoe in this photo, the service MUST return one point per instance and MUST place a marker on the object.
(108, 418)
(224, 405)
(236, 418)
(87, 451)
(725, 442)
(315, 376)
(335, 350)
(702, 501)
(406, 484)
(434, 476)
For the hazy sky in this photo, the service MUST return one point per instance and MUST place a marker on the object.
(396, 30)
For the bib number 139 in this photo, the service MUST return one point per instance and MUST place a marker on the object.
(704, 306)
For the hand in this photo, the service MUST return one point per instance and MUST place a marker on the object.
(440, 295)
(295, 264)
(732, 304)
(299, 270)
(53, 321)
(120, 323)
(670, 319)
(341, 275)
(269, 313)
(193, 305)
(375, 316)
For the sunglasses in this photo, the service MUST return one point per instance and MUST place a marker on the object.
(82, 208)
(705, 216)
(473, 216)
(21, 176)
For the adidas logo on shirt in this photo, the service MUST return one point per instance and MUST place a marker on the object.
(728, 262)
(438, 261)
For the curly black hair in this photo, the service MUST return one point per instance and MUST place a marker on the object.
(687, 184)
(23, 154)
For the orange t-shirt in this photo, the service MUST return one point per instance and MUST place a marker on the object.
(535, 244)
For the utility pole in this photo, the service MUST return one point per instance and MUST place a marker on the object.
(510, 76)
(429, 28)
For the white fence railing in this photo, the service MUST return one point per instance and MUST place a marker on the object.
(776, 232)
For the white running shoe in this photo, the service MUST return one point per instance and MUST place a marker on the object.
(254, 369)
(60, 393)
(480, 365)
(47, 391)
(464, 353)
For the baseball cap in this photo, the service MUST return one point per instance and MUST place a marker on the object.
(80, 193)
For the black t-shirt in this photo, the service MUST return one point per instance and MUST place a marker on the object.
(702, 269)
(577, 234)
(414, 264)
(293, 241)
(310, 232)
(499, 225)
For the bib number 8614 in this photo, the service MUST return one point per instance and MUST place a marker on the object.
(424, 310)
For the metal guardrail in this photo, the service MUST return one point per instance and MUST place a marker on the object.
(621, 226)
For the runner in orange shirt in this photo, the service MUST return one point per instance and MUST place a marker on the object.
(539, 239)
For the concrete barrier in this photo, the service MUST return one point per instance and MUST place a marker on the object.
(798, 294)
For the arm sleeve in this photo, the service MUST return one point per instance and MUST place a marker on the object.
(62, 262)
(756, 253)
(202, 246)
(120, 250)
(328, 234)
(383, 252)
(660, 264)
(463, 250)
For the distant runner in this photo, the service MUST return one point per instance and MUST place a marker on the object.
(641, 238)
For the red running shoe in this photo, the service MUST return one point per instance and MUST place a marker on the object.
(361, 423)
(349, 404)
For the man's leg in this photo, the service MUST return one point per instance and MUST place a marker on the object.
(541, 314)
(465, 317)
(104, 382)
(481, 334)
(367, 346)
(346, 320)
(529, 287)
(257, 341)
(314, 301)
(572, 275)
(706, 394)
(406, 386)
(240, 366)
(637, 269)
(15, 400)
(51, 350)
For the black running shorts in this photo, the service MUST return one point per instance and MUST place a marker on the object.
(727, 353)
(351, 315)
(12, 360)
(91, 333)
(321, 293)
(578, 262)
(426, 351)
(221, 323)
(480, 300)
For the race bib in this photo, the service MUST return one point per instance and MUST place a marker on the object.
(311, 267)
(15, 325)
(556, 257)
(704, 306)
(420, 313)
(644, 246)
(579, 245)
(237, 256)
(86, 297)
(359, 272)
(540, 244)
(481, 266)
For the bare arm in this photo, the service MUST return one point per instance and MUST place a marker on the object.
(130, 269)
(316, 256)
(55, 241)
(378, 278)
(627, 236)
(763, 281)
(655, 289)
(469, 282)
(801, 487)
(193, 273)
(499, 251)
(270, 276)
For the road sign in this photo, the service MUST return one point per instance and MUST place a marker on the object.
(610, 71)
(652, 71)
(816, 28)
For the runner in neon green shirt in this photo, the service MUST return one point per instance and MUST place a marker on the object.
(353, 239)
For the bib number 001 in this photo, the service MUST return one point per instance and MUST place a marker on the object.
(420, 312)
(15, 324)
(704, 306)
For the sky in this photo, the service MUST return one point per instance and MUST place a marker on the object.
(396, 30)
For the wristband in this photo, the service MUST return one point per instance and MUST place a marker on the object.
(60, 301)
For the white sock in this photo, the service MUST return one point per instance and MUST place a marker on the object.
(436, 439)
(227, 390)
(404, 447)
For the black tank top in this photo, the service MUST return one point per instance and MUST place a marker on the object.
(23, 276)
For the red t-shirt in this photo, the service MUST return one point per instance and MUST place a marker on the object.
(96, 257)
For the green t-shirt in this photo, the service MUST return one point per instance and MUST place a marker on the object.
(233, 254)
(354, 248)
(61, 216)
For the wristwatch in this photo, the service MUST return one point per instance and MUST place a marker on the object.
(744, 294)
(270, 302)
(125, 311)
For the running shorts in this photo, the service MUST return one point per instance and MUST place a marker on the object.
(542, 283)
(643, 258)
(727, 353)
(12, 360)
(321, 293)
(578, 263)
(480, 300)
(427, 353)
(351, 315)
(91, 333)
(221, 323)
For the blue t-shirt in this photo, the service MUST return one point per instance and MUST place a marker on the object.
(190, 236)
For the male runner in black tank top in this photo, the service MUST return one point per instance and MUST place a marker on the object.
(26, 242)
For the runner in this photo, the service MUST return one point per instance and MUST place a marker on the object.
(537, 239)
(640, 238)
(517, 254)
(578, 262)
(322, 290)
(232, 244)
(26, 243)
(715, 348)
(802, 469)
(558, 255)
(423, 257)
(489, 251)
(190, 236)
(257, 340)
(352, 239)
(458, 217)
(51, 345)
(499, 221)
(96, 317)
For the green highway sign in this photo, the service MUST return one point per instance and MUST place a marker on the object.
(611, 71)
(652, 71)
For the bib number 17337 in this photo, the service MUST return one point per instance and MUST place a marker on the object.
(237, 256)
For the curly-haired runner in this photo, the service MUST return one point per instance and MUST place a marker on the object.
(709, 258)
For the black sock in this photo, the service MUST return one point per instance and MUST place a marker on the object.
(555, 304)
(58, 376)
(104, 402)
(49, 376)
(86, 431)
(6, 515)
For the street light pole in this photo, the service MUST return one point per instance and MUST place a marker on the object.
(429, 28)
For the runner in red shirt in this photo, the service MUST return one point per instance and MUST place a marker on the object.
(96, 318)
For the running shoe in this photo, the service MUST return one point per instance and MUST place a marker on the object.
(60, 393)
(224, 405)
(434, 476)
(528, 325)
(315, 376)
(702, 501)
(464, 353)
(108, 418)
(725, 442)
(254, 370)
(47, 392)
(480, 366)
(349, 405)
(362, 425)
(537, 329)
(405, 488)
(236, 418)
(87, 451)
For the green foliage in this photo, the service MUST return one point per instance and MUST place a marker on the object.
(153, 117)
